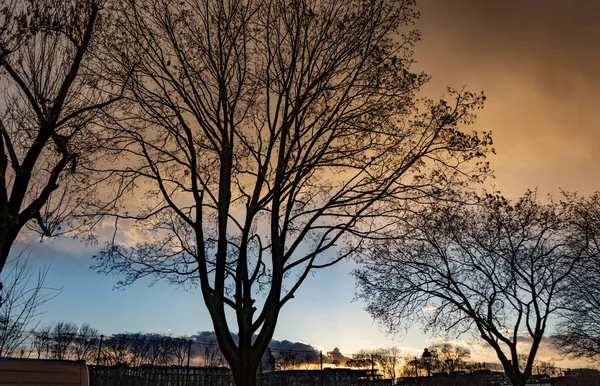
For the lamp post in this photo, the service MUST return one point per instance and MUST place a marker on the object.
(99, 350)
(427, 358)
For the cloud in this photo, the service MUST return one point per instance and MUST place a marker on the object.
(300, 350)
(535, 61)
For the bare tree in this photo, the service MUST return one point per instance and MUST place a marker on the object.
(578, 333)
(287, 360)
(42, 342)
(138, 349)
(390, 360)
(360, 360)
(51, 98)
(85, 344)
(307, 360)
(115, 350)
(448, 357)
(270, 139)
(547, 367)
(496, 269)
(540, 367)
(65, 340)
(158, 350)
(24, 294)
(210, 354)
(414, 367)
(63, 335)
(386, 360)
(180, 349)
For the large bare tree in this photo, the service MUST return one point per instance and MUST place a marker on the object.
(497, 269)
(51, 96)
(270, 139)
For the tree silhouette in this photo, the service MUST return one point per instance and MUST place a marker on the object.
(63, 335)
(448, 357)
(51, 98)
(180, 348)
(42, 342)
(270, 139)
(24, 294)
(287, 360)
(361, 360)
(211, 354)
(389, 362)
(85, 344)
(496, 269)
(578, 333)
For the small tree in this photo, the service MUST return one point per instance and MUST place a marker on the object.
(115, 350)
(287, 360)
(307, 361)
(361, 360)
(42, 342)
(181, 350)
(146, 349)
(388, 360)
(85, 344)
(158, 350)
(448, 357)
(210, 353)
(414, 367)
(547, 368)
(63, 335)
(24, 294)
(496, 269)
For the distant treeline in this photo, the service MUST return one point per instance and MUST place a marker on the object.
(65, 340)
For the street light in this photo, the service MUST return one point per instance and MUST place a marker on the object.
(427, 358)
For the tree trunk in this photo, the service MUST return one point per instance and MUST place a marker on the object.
(245, 375)
(5, 246)
(9, 230)
(7, 237)
(517, 379)
(8, 233)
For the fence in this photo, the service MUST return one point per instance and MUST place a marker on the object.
(206, 376)
(122, 375)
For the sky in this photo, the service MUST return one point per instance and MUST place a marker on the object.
(537, 61)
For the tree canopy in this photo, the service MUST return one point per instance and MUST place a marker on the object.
(267, 139)
(52, 95)
(496, 269)
(578, 332)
